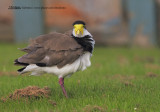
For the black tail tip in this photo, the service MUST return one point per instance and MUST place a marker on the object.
(21, 69)
(16, 62)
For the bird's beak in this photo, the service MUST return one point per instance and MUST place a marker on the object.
(78, 28)
(78, 32)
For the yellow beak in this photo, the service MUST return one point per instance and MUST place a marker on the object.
(78, 29)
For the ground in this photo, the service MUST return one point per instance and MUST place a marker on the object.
(119, 80)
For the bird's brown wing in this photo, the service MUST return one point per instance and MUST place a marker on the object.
(52, 49)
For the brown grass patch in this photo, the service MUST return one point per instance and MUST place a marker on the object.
(123, 61)
(128, 83)
(52, 102)
(150, 74)
(152, 66)
(29, 92)
(95, 108)
(12, 73)
(144, 59)
(123, 77)
(98, 65)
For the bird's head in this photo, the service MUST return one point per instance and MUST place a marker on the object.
(79, 29)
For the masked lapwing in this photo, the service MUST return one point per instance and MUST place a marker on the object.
(58, 54)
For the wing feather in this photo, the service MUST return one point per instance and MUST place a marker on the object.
(52, 49)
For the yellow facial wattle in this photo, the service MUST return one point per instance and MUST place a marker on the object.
(78, 28)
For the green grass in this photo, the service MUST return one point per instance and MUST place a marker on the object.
(116, 82)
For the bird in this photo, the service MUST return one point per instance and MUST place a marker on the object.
(61, 54)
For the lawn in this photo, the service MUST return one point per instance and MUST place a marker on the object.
(119, 80)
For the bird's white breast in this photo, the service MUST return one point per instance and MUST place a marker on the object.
(80, 64)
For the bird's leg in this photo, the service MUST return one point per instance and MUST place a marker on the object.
(61, 82)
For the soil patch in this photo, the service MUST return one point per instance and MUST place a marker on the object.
(29, 92)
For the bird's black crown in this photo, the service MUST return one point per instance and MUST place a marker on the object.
(79, 22)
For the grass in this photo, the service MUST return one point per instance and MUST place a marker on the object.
(119, 80)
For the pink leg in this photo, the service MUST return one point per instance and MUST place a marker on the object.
(61, 82)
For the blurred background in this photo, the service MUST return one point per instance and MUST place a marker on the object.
(111, 22)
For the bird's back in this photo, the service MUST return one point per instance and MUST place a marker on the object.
(56, 41)
(54, 49)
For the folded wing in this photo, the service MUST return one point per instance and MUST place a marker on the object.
(50, 50)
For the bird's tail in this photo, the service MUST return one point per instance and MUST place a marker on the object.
(16, 62)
